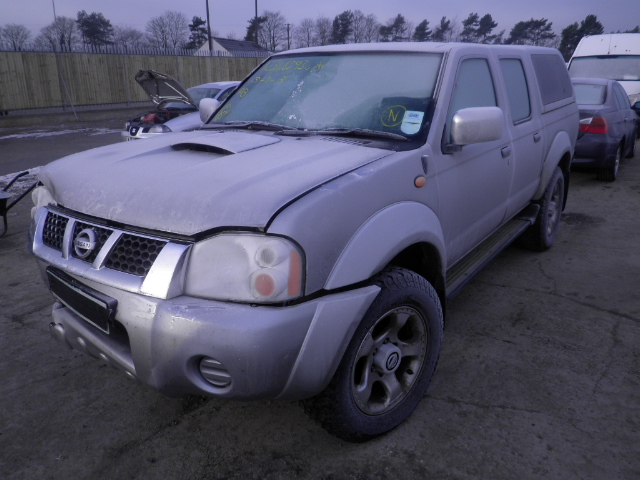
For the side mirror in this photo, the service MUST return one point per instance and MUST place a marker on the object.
(207, 108)
(476, 125)
(636, 107)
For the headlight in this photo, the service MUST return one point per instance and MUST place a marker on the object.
(41, 198)
(159, 129)
(245, 268)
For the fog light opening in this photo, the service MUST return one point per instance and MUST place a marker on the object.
(214, 372)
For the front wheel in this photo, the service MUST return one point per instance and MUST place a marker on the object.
(389, 363)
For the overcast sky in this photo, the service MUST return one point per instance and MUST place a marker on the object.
(232, 15)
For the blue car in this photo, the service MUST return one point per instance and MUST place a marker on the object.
(608, 126)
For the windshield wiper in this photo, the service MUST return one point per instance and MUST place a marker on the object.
(248, 124)
(356, 132)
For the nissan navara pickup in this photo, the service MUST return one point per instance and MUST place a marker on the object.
(302, 244)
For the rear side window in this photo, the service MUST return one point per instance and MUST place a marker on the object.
(621, 97)
(553, 77)
(517, 91)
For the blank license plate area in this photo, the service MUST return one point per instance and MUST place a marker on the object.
(94, 307)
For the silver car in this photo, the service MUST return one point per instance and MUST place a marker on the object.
(303, 243)
(176, 108)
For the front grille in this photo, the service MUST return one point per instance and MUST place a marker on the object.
(53, 233)
(134, 254)
(102, 235)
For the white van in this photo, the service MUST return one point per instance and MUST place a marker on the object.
(615, 56)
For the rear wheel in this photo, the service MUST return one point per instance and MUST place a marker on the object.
(541, 235)
(389, 363)
(609, 174)
(632, 152)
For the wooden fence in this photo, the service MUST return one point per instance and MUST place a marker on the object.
(47, 79)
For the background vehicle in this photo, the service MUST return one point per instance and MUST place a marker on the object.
(176, 107)
(608, 126)
(303, 243)
(615, 56)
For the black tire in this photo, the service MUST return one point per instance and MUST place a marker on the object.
(609, 174)
(389, 362)
(632, 152)
(541, 235)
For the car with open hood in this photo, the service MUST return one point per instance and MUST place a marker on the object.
(176, 107)
(303, 243)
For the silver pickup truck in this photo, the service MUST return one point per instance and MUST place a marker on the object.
(303, 243)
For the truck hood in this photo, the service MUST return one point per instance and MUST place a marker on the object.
(187, 183)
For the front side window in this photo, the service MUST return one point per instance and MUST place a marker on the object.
(517, 90)
(474, 88)
(373, 91)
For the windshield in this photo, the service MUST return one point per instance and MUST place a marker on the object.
(371, 91)
(616, 67)
(587, 94)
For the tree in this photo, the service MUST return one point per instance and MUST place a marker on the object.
(485, 27)
(371, 29)
(254, 28)
(357, 26)
(531, 32)
(572, 34)
(591, 26)
(15, 36)
(395, 30)
(128, 38)
(168, 31)
(95, 30)
(342, 27)
(469, 28)
(273, 30)
(199, 34)
(570, 37)
(422, 32)
(303, 34)
(322, 31)
(62, 34)
(443, 31)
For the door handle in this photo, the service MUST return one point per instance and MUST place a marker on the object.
(506, 151)
(536, 137)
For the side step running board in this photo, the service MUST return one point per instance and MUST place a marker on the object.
(464, 270)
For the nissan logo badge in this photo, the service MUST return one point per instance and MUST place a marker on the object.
(85, 243)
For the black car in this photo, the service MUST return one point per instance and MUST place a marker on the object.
(608, 126)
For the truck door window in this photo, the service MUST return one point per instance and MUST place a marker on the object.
(517, 90)
(474, 88)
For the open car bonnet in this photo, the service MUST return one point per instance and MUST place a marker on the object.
(163, 88)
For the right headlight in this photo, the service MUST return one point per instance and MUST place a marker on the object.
(245, 268)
